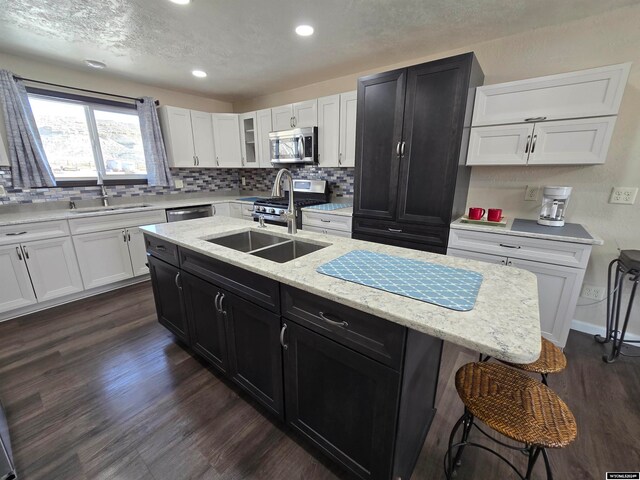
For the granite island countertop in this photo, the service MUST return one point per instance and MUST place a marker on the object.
(545, 233)
(504, 322)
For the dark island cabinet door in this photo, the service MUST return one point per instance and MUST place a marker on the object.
(255, 355)
(378, 141)
(433, 123)
(206, 324)
(342, 401)
(167, 292)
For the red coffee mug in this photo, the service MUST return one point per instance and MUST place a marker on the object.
(494, 214)
(476, 213)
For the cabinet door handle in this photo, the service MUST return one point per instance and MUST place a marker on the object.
(222, 310)
(128, 236)
(325, 221)
(402, 150)
(509, 246)
(124, 236)
(194, 160)
(395, 230)
(398, 149)
(284, 329)
(19, 254)
(503, 262)
(177, 280)
(215, 302)
(13, 234)
(217, 162)
(535, 119)
(510, 263)
(526, 148)
(26, 252)
(213, 207)
(332, 322)
(533, 145)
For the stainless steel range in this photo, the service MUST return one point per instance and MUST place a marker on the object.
(305, 194)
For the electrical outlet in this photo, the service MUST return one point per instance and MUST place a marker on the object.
(593, 292)
(623, 195)
(178, 183)
(531, 193)
(244, 181)
(3, 192)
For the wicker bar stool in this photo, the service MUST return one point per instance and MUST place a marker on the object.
(514, 405)
(551, 360)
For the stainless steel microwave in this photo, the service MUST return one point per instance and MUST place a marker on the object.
(294, 146)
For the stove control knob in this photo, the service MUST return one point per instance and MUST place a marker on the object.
(259, 209)
(280, 212)
(272, 210)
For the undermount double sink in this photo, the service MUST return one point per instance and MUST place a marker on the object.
(267, 246)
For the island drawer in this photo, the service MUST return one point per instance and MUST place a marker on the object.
(372, 336)
(162, 249)
(248, 285)
(326, 220)
(427, 234)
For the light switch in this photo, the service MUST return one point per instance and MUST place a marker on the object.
(3, 191)
(178, 183)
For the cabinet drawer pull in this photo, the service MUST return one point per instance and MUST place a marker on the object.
(160, 247)
(284, 328)
(13, 234)
(332, 322)
(325, 221)
(535, 119)
(395, 230)
(177, 280)
(18, 252)
(510, 246)
(215, 302)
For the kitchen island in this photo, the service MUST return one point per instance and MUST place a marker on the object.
(351, 368)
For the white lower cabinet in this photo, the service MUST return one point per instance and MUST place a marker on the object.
(235, 210)
(15, 285)
(53, 268)
(558, 285)
(222, 210)
(137, 251)
(103, 257)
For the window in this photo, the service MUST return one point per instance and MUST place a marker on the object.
(89, 140)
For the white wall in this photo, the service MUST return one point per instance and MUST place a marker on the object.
(605, 39)
(100, 81)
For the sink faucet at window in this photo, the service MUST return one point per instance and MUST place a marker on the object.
(104, 196)
(290, 214)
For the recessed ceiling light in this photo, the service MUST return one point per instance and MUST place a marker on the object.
(304, 30)
(199, 73)
(95, 64)
(181, 2)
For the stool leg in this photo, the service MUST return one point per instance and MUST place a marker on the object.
(626, 318)
(448, 458)
(615, 320)
(534, 452)
(466, 420)
(547, 465)
(607, 336)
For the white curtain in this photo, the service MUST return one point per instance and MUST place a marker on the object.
(29, 165)
(158, 172)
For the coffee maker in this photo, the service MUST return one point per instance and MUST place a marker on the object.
(554, 206)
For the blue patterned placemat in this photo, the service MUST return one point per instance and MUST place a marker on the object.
(248, 199)
(331, 206)
(448, 287)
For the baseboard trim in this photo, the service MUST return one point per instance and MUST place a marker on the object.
(592, 329)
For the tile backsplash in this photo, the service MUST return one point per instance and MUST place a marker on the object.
(195, 180)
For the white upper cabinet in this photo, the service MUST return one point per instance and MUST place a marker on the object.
(248, 137)
(566, 142)
(178, 136)
(305, 114)
(297, 115)
(226, 134)
(263, 128)
(53, 268)
(586, 93)
(348, 109)
(204, 149)
(500, 145)
(329, 131)
(282, 118)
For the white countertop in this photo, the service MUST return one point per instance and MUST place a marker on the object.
(504, 323)
(150, 203)
(506, 230)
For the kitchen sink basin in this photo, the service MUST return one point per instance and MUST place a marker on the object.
(289, 250)
(248, 241)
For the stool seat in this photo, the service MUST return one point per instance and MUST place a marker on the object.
(515, 405)
(631, 259)
(551, 360)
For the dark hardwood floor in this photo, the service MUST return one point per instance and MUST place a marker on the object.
(98, 390)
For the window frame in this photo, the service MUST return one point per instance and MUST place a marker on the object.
(91, 104)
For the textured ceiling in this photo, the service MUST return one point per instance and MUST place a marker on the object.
(248, 47)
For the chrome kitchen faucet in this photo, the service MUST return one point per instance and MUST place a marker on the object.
(290, 214)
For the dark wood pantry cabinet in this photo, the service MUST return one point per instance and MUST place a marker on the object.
(360, 388)
(411, 139)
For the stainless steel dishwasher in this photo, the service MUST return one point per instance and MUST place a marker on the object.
(189, 213)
